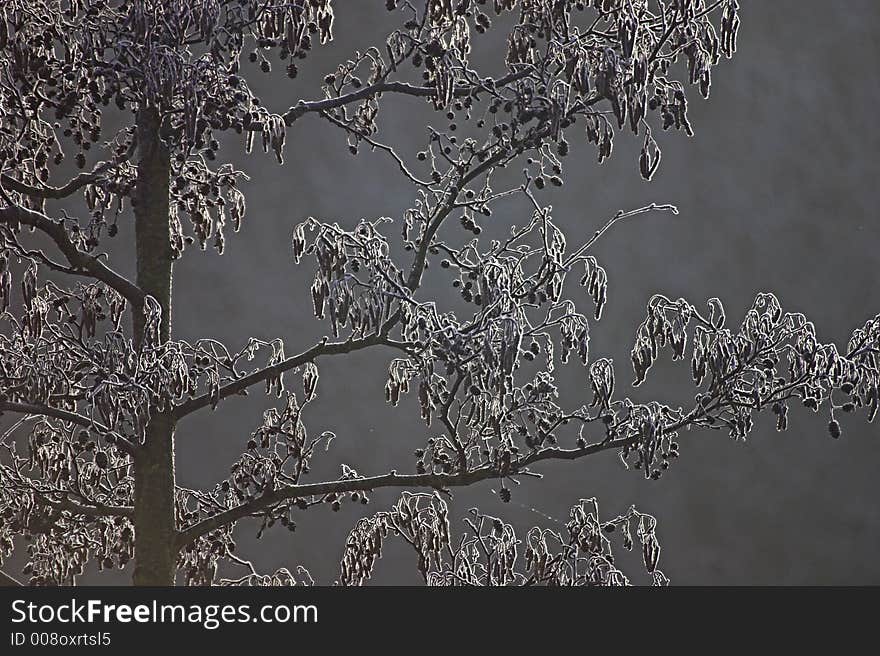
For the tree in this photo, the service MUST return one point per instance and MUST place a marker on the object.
(88, 468)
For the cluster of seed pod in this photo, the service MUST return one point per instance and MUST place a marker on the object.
(560, 68)
(64, 101)
(860, 375)
(56, 513)
(521, 47)
(106, 196)
(486, 555)
(208, 198)
(589, 534)
(600, 132)
(602, 382)
(596, 281)
(278, 452)
(199, 561)
(666, 323)
(421, 519)
(356, 284)
(488, 552)
(651, 435)
(280, 577)
(5, 281)
(95, 362)
(56, 558)
(76, 473)
(400, 372)
(574, 331)
(649, 156)
(741, 372)
(290, 27)
(444, 50)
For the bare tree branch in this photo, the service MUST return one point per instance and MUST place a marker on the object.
(261, 375)
(334, 348)
(92, 510)
(71, 187)
(66, 415)
(392, 479)
(305, 107)
(82, 262)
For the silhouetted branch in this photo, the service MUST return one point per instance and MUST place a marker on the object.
(71, 187)
(318, 350)
(81, 263)
(438, 481)
(92, 510)
(70, 417)
(305, 107)
(392, 479)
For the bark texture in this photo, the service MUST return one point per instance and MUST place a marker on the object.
(155, 553)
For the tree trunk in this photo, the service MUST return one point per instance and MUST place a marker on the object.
(155, 555)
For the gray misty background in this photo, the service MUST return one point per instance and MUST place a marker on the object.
(777, 192)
